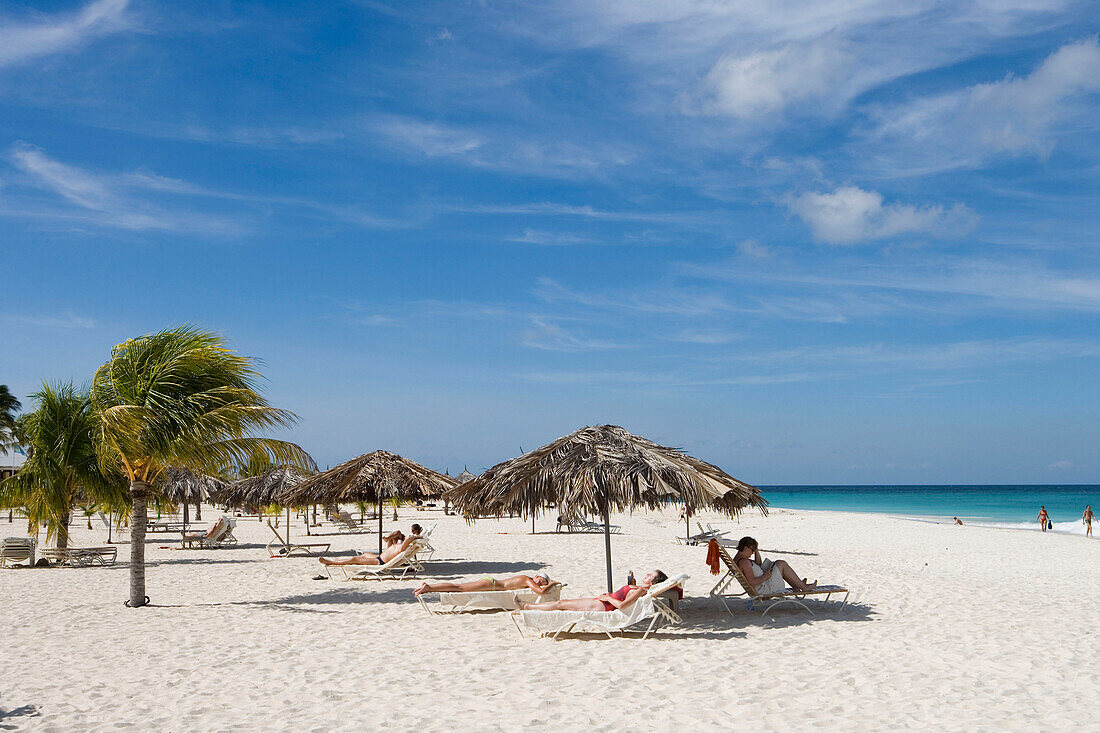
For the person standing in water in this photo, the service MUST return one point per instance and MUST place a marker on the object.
(1087, 519)
(1043, 518)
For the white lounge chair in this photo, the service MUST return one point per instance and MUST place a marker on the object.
(289, 548)
(220, 533)
(15, 550)
(347, 523)
(703, 536)
(81, 557)
(399, 566)
(649, 607)
(584, 525)
(750, 594)
(427, 549)
(489, 600)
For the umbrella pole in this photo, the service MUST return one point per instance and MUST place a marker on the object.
(607, 546)
(185, 522)
(288, 524)
(687, 521)
(379, 525)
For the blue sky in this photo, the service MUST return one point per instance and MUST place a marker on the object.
(823, 242)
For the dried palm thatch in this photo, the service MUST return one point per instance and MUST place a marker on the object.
(263, 489)
(182, 484)
(373, 477)
(464, 476)
(598, 470)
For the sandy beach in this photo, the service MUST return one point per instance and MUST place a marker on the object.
(957, 627)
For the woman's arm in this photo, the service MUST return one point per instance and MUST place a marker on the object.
(633, 595)
(746, 570)
(539, 589)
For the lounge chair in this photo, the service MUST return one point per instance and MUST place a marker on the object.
(489, 600)
(81, 557)
(649, 607)
(426, 546)
(794, 597)
(583, 525)
(399, 566)
(16, 549)
(289, 548)
(347, 523)
(220, 533)
(703, 536)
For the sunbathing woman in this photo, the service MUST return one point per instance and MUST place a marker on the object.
(767, 576)
(539, 584)
(396, 543)
(620, 599)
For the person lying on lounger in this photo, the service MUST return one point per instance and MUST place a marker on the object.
(209, 534)
(539, 584)
(767, 576)
(396, 543)
(620, 599)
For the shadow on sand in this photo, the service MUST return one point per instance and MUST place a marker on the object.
(23, 711)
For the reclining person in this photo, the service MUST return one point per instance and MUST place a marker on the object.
(211, 532)
(396, 543)
(620, 599)
(539, 584)
(767, 576)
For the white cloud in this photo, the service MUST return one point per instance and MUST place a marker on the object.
(850, 215)
(767, 82)
(753, 250)
(429, 138)
(64, 320)
(1018, 115)
(552, 337)
(21, 42)
(1061, 465)
(550, 239)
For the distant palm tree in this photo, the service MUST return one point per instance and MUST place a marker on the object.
(61, 465)
(180, 397)
(8, 407)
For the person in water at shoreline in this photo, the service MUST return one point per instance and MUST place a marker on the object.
(539, 584)
(396, 543)
(620, 599)
(1044, 520)
(1087, 519)
(958, 521)
(767, 576)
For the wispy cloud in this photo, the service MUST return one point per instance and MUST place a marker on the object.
(549, 336)
(1017, 115)
(22, 41)
(850, 214)
(551, 239)
(63, 320)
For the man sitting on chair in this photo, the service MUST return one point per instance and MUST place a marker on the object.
(539, 584)
(396, 543)
(620, 599)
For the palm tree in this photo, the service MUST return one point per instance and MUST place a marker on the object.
(61, 465)
(181, 397)
(8, 407)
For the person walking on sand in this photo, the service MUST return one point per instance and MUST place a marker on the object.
(1087, 519)
(1043, 518)
(539, 584)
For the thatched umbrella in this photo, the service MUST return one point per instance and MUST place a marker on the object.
(459, 480)
(375, 476)
(264, 489)
(182, 485)
(597, 470)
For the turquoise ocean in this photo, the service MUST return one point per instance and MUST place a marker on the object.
(1013, 507)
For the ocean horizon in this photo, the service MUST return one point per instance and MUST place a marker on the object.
(996, 505)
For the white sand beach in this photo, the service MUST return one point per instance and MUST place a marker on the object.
(953, 627)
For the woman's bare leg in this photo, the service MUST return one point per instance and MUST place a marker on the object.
(576, 604)
(471, 587)
(365, 559)
(792, 578)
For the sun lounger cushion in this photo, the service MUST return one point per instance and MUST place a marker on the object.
(499, 599)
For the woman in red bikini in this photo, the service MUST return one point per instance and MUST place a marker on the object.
(620, 599)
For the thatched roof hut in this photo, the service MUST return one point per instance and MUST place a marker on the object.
(464, 476)
(373, 477)
(598, 470)
(178, 485)
(602, 469)
(263, 489)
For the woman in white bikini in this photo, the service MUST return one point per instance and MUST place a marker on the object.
(767, 576)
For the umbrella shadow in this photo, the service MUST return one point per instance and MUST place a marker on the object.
(706, 618)
(338, 596)
(447, 569)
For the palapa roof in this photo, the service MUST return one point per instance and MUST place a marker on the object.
(578, 471)
(177, 483)
(464, 476)
(370, 477)
(265, 488)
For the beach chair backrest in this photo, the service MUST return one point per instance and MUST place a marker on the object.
(277, 535)
(735, 571)
(17, 548)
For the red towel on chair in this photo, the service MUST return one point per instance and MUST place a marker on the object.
(712, 557)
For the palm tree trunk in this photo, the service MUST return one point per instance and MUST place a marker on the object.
(198, 510)
(63, 532)
(139, 490)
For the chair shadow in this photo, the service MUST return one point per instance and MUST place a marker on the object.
(23, 711)
(343, 595)
(449, 569)
(787, 552)
(703, 617)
